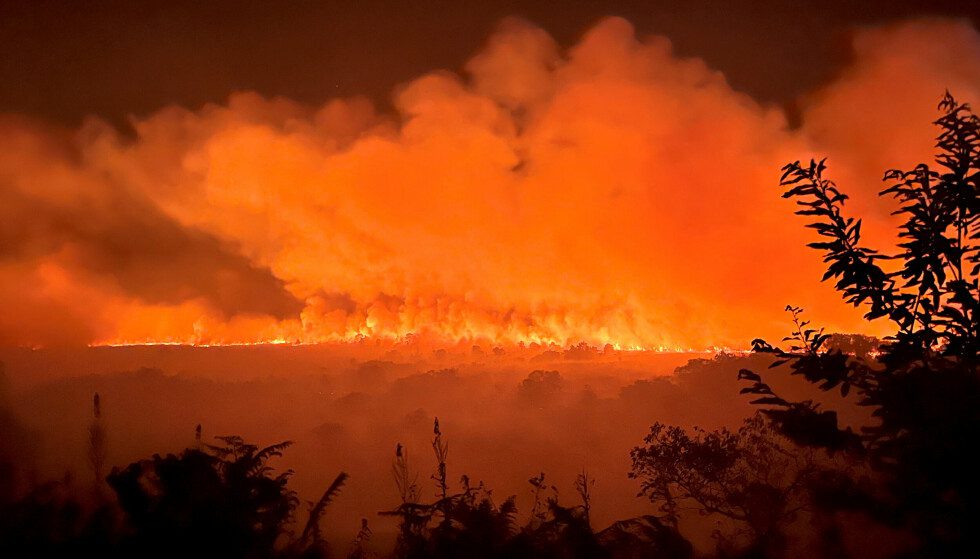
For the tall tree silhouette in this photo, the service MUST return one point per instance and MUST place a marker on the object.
(924, 387)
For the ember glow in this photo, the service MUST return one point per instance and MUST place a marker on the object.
(609, 193)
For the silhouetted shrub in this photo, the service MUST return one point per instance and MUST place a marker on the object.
(469, 524)
(49, 521)
(221, 501)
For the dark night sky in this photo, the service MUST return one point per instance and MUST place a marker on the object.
(61, 60)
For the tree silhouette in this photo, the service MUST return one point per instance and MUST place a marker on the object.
(97, 446)
(753, 476)
(924, 386)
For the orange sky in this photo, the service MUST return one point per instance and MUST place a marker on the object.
(611, 192)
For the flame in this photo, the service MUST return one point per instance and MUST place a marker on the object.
(534, 347)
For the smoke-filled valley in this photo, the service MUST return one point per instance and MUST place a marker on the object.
(508, 415)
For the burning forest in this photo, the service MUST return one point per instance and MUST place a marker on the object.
(599, 281)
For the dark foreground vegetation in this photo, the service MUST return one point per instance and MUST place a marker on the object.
(792, 481)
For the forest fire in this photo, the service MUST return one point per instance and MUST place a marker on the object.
(411, 281)
(432, 344)
(511, 203)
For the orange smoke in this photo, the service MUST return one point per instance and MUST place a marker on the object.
(610, 193)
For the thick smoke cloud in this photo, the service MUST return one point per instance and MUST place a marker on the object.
(62, 223)
(610, 192)
(877, 114)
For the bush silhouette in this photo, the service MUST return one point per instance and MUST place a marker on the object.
(49, 521)
(224, 500)
(468, 523)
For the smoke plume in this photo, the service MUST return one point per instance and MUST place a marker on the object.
(611, 192)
